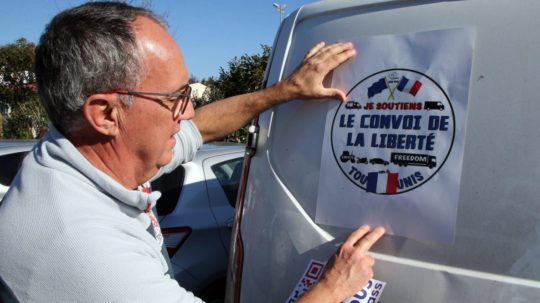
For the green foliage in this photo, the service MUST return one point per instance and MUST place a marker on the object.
(17, 63)
(242, 75)
(27, 120)
(18, 92)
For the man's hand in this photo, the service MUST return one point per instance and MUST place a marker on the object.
(307, 81)
(220, 118)
(348, 270)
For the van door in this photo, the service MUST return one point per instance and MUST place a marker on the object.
(495, 253)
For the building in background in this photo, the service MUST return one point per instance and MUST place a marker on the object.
(197, 90)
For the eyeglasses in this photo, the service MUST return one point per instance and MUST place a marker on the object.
(179, 100)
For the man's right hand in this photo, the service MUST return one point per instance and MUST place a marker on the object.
(348, 270)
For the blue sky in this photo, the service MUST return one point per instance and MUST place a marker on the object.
(209, 32)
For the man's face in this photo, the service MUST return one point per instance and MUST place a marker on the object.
(149, 127)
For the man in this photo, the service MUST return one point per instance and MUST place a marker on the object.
(77, 224)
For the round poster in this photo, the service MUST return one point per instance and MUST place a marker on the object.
(394, 133)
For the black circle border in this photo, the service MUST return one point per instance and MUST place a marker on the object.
(453, 130)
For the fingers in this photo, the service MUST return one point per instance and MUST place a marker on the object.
(356, 235)
(370, 261)
(314, 50)
(307, 81)
(362, 239)
(333, 54)
(366, 242)
(335, 94)
(350, 267)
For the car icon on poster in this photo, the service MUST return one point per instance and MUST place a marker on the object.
(378, 161)
(363, 160)
(353, 105)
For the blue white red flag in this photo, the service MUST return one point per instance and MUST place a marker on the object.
(409, 86)
(377, 87)
(382, 182)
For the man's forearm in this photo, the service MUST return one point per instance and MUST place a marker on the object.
(218, 119)
(320, 294)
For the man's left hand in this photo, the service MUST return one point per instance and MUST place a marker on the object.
(307, 81)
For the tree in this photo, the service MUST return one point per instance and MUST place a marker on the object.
(193, 79)
(242, 75)
(18, 92)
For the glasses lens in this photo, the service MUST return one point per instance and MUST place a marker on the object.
(185, 99)
(182, 102)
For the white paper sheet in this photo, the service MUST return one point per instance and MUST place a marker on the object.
(392, 154)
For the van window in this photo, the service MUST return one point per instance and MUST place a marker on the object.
(228, 174)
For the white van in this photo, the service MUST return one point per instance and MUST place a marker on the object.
(493, 254)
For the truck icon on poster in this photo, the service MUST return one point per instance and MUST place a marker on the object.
(403, 159)
(431, 105)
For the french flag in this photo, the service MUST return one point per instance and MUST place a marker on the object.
(409, 86)
(382, 182)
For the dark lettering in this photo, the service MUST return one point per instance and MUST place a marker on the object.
(349, 123)
(430, 141)
(359, 140)
(374, 140)
(433, 122)
(363, 123)
(438, 123)
(444, 123)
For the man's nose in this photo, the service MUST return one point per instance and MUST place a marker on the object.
(188, 114)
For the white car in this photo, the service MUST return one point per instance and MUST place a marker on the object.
(195, 211)
(12, 153)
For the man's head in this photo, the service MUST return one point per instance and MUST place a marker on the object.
(89, 62)
(84, 50)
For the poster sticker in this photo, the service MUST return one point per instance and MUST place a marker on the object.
(369, 294)
(389, 146)
(311, 276)
(392, 152)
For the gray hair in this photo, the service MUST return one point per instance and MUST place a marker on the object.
(86, 50)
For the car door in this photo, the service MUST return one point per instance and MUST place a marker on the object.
(222, 174)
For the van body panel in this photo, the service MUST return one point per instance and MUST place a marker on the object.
(496, 253)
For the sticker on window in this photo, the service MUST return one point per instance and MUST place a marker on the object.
(392, 153)
(369, 294)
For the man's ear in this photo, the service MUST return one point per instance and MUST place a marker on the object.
(102, 112)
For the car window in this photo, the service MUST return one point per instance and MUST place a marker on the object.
(10, 165)
(228, 174)
(170, 186)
